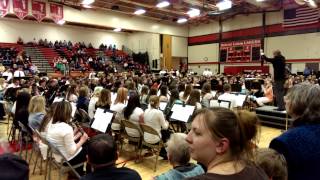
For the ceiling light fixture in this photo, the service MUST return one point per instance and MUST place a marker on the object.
(193, 12)
(224, 5)
(86, 6)
(117, 29)
(140, 11)
(61, 22)
(87, 2)
(182, 20)
(163, 4)
(260, 0)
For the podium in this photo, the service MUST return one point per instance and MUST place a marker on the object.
(270, 117)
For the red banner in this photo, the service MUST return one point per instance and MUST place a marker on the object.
(20, 8)
(4, 7)
(56, 12)
(38, 10)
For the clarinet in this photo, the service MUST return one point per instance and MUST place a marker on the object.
(75, 124)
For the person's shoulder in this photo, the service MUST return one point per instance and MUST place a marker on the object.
(130, 173)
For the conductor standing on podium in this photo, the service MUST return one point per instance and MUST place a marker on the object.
(279, 64)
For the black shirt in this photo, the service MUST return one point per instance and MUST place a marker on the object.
(112, 173)
(279, 66)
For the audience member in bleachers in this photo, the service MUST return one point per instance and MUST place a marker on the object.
(220, 139)
(227, 96)
(273, 163)
(102, 156)
(179, 157)
(37, 110)
(19, 73)
(300, 145)
(8, 73)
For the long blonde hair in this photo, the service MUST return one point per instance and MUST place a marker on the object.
(37, 104)
(122, 96)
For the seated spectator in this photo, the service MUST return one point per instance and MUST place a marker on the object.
(300, 145)
(37, 110)
(8, 73)
(220, 139)
(273, 163)
(13, 167)
(20, 41)
(179, 157)
(102, 156)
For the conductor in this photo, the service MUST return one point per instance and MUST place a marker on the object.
(279, 65)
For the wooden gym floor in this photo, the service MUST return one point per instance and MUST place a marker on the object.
(144, 168)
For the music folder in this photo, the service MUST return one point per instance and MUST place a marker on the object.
(102, 119)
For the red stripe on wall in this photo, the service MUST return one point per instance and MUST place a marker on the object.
(203, 38)
(271, 30)
(231, 63)
(242, 33)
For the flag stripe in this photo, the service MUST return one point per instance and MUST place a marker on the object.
(300, 16)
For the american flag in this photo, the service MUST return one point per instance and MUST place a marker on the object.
(300, 16)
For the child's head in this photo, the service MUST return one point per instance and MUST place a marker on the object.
(273, 163)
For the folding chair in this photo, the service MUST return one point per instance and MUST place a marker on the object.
(59, 164)
(128, 124)
(148, 129)
(24, 137)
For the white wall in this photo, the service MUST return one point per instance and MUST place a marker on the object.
(203, 29)
(301, 46)
(295, 67)
(145, 42)
(179, 46)
(242, 22)
(131, 22)
(11, 29)
(200, 52)
(274, 18)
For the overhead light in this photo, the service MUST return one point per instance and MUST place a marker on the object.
(182, 20)
(193, 12)
(61, 22)
(86, 6)
(87, 2)
(260, 0)
(117, 29)
(140, 11)
(311, 3)
(223, 5)
(163, 4)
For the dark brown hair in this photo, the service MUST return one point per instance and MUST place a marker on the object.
(62, 112)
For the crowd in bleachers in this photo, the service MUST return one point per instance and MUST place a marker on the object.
(223, 140)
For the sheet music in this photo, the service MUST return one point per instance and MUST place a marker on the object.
(176, 107)
(213, 93)
(224, 104)
(240, 98)
(181, 113)
(163, 106)
(214, 103)
(58, 99)
(101, 120)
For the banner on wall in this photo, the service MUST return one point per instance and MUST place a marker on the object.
(38, 10)
(4, 7)
(56, 12)
(20, 8)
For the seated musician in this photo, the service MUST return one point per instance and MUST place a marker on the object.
(267, 94)
(63, 137)
(227, 96)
